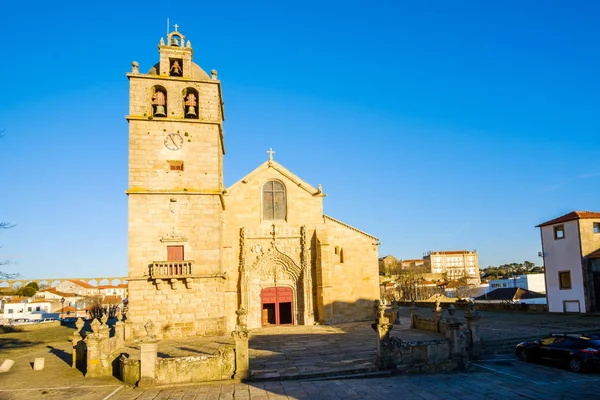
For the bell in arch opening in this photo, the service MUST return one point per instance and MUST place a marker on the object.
(159, 102)
(190, 102)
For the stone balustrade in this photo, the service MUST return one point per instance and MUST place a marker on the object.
(171, 269)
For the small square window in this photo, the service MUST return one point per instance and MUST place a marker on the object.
(564, 280)
(175, 165)
(596, 227)
(559, 232)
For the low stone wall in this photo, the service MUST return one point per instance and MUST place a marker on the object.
(29, 327)
(425, 324)
(196, 369)
(420, 356)
(462, 305)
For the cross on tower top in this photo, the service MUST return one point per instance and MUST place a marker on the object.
(271, 152)
(176, 27)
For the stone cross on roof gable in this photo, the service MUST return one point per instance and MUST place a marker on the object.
(271, 152)
(176, 27)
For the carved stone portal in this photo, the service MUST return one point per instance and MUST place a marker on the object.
(270, 258)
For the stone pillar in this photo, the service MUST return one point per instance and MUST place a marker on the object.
(383, 328)
(472, 317)
(128, 329)
(396, 312)
(412, 310)
(78, 344)
(454, 333)
(241, 336)
(98, 351)
(94, 363)
(104, 330)
(119, 332)
(148, 356)
(437, 314)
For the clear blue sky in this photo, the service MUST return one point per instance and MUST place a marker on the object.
(430, 124)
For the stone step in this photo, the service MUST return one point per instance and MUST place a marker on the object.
(314, 375)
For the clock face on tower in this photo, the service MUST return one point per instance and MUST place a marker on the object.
(173, 141)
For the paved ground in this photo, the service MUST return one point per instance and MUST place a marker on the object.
(499, 378)
(283, 353)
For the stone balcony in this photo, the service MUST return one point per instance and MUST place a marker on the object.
(173, 272)
(171, 269)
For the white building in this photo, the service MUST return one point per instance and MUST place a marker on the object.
(533, 282)
(30, 310)
(456, 264)
(570, 247)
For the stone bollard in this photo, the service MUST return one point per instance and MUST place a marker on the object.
(78, 344)
(119, 332)
(6, 365)
(241, 336)
(384, 350)
(472, 317)
(38, 363)
(148, 356)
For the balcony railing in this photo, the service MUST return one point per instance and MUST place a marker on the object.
(171, 269)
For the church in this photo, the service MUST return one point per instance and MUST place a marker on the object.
(198, 251)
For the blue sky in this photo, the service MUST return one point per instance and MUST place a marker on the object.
(430, 124)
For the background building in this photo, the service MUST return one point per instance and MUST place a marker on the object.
(571, 247)
(454, 264)
(533, 282)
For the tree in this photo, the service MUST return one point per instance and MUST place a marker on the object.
(97, 308)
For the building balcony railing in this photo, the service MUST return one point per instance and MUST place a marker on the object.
(171, 269)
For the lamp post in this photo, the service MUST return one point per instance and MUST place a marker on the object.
(62, 306)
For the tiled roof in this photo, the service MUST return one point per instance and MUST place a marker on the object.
(121, 286)
(594, 254)
(112, 300)
(83, 284)
(66, 309)
(415, 260)
(573, 215)
(511, 294)
(63, 294)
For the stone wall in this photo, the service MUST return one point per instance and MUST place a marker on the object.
(179, 311)
(422, 356)
(196, 369)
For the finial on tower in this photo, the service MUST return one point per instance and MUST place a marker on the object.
(270, 152)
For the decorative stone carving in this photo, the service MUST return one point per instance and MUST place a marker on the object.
(150, 330)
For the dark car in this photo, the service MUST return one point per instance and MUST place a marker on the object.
(578, 352)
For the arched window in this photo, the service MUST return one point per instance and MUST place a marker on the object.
(190, 103)
(159, 101)
(274, 202)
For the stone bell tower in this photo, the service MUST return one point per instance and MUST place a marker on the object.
(175, 194)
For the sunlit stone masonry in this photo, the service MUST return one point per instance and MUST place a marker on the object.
(199, 251)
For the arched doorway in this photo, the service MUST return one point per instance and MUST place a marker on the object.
(277, 306)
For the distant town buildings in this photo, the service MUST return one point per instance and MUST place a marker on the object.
(68, 298)
(571, 253)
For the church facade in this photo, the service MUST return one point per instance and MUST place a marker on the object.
(199, 251)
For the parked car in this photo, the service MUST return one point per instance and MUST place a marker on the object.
(20, 321)
(578, 352)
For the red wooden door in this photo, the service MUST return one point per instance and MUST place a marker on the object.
(175, 253)
(277, 306)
